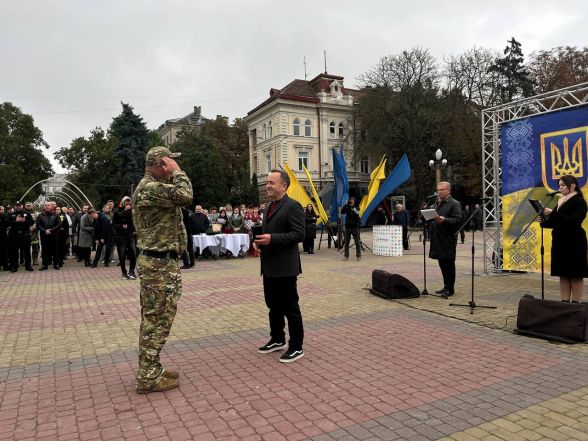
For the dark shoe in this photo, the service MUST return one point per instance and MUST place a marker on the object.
(56, 267)
(162, 385)
(13, 270)
(447, 293)
(173, 375)
(358, 257)
(440, 291)
(93, 266)
(87, 264)
(291, 355)
(29, 268)
(125, 277)
(132, 275)
(43, 268)
(271, 346)
(185, 267)
(345, 258)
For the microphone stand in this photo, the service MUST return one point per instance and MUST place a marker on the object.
(471, 304)
(537, 216)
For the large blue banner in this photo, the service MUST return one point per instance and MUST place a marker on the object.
(536, 152)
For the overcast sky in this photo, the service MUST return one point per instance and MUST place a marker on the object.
(70, 63)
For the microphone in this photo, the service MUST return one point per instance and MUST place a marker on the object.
(553, 193)
(431, 196)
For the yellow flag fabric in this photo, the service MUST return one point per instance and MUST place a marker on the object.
(322, 214)
(376, 176)
(296, 191)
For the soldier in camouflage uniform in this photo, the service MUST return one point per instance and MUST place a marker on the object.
(161, 239)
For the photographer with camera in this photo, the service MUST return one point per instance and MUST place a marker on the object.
(352, 222)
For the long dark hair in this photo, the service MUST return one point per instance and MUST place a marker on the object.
(568, 180)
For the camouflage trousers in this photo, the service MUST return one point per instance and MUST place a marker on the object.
(161, 287)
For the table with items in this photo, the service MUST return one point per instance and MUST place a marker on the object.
(220, 243)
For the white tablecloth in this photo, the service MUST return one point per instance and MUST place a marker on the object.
(235, 243)
(222, 242)
(211, 242)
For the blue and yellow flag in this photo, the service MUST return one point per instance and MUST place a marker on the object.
(322, 214)
(296, 191)
(376, 176)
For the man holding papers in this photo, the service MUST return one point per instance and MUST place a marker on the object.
(443, 236)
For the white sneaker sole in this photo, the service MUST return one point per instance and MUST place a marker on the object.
(290, 360)
(274, 349)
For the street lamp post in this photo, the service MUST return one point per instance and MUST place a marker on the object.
(438, 163)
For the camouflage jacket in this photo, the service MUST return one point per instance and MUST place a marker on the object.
(157, 212)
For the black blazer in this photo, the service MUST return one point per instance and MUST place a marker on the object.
(443, 238)
(286, 225)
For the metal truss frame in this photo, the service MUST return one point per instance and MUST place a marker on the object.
(492, 119)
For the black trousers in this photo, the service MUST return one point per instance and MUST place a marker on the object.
(448, 270)
(108, 244)
(308, 244)
(126, 247)
(281, 297)
(351, 231)
(20, 245)
(49, 249)
(189, 256)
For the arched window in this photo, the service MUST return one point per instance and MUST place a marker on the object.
(269, 129)
(307, 128)
(332, 127)
(296, 127)
(341, 130)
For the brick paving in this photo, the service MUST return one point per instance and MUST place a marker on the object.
(416, 369)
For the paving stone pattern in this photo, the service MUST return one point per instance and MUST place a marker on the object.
(415, 369)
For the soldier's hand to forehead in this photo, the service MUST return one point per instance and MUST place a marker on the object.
(170, 165)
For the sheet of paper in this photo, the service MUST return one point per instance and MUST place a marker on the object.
(429, 214)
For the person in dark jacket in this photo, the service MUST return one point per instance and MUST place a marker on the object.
(309, 229)
(63, 235)
(402, 217)
(443, 236)
(283, 229)
(3, 240)
(380, 215)
(352, 222)
(48, 225)
(122, 222)
(104, 236)
(568, 245)
(188, 256)
(20, 222)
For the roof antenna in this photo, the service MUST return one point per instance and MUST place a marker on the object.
(304, 62)
(325, 54)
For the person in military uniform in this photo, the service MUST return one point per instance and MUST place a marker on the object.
(20, 223)
(161, 240)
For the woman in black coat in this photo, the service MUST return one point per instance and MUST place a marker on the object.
(568, 239)
(309, 229)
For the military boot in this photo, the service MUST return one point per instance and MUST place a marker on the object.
(162, 385)
(170, 374)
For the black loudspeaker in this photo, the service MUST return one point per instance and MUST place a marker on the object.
(553, 320)
(392, 286)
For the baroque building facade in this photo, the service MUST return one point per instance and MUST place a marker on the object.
(299, 125)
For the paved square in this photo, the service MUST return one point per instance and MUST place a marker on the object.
(373, 369)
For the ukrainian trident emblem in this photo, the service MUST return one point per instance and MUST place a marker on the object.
(564, 153)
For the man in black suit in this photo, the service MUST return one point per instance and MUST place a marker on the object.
(444, 238)
(283, 229)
